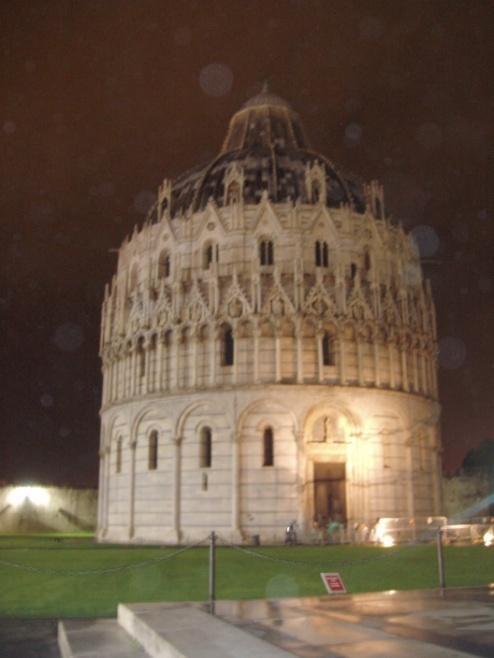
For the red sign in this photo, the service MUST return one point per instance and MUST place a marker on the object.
(333, 582)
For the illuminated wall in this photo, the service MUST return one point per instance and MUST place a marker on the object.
(47, 509)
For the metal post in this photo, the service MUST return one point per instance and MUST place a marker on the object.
(212, 573)
(440, 559)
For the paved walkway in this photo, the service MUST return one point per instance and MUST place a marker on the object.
(28, 638)
(427, 623)
(455, 623)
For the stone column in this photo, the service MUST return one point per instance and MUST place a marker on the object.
(133, 444)
(104, 377)
(320, 364)
(360, 365)
(176, 489)
(391, 366)
(133, 373)
(404, 368)
(212, 356)
(434, 377)
(300, 360)
(235, 355)
(120, 365)
(110, 381)
(256, 354)
(409, 479)
(175, 360)
(277, 354)
(159, 363)
(236, 532)
(147, 366)
(342, 361)
(106, 489)
(120, 376)
(377, 365)
(125, 368)
(423, 387)
(415, 371)
(101, 492)
(430, 375)
(193, 353)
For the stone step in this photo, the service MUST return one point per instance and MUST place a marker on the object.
(185, 631)
(97, 638)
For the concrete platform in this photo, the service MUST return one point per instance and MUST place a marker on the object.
(455, 623)
(96, 638)
(192, 633)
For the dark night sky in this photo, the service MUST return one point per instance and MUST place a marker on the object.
(101, 99)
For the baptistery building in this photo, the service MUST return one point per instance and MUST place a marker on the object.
(269, 351)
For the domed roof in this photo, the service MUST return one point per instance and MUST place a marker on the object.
(266, 141)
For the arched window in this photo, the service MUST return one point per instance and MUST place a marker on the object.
(268, 447)
(118, 460)
(367, 261)
(325, 254)
(266, 252)
(316, 192)
(227, 352)
(321, 254)
(353, 271)
(209, 255)
(205, 448)
(141, 357)
(233, 193)
(153, 451)
(327, 350)
(164, 265)
(379, 209)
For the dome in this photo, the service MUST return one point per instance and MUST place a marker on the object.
(267, 142)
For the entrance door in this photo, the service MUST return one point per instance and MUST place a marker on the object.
(329, 493)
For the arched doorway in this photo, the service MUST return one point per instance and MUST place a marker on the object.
(329, 492)
(327, 468)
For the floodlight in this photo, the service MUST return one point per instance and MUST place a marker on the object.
(387, 541)
(36, 495)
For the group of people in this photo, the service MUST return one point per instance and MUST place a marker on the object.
(332, 531)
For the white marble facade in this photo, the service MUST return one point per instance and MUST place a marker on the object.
(269, 352)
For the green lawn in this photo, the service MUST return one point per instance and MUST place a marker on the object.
(50, 592)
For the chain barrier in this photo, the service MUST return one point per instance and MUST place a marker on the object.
(225, 542)
(318, 565)
(94, 572)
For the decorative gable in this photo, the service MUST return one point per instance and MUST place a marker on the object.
(319, 302)
(236, 303)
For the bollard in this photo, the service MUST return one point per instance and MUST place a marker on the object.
(212, 573)
(440, 559)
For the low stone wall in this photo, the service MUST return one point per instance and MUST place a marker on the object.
(47, 509)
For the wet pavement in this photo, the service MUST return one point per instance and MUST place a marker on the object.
(430, 623)
(453, 623)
